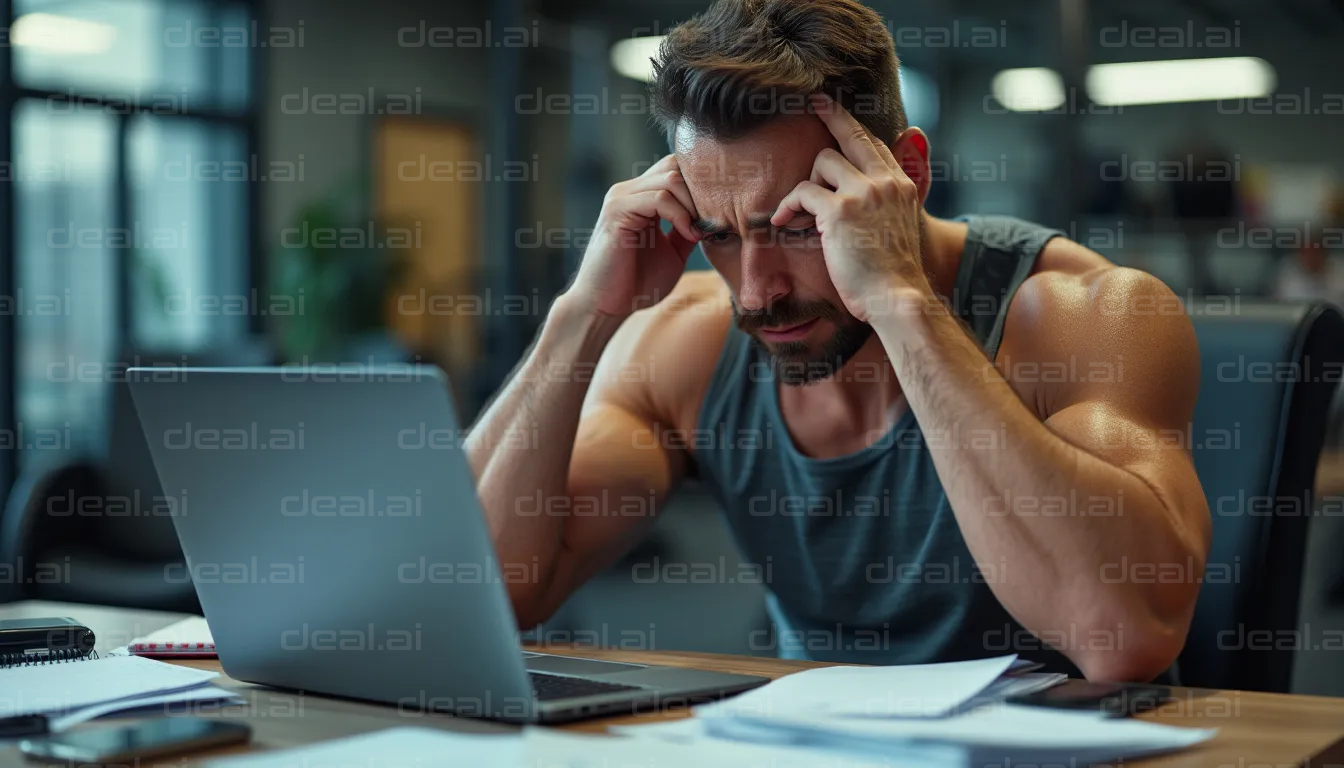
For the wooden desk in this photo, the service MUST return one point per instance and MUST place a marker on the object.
(1255, 728)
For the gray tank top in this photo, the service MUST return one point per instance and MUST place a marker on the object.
(861, 555)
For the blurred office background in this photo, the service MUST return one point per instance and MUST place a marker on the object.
(244, 181)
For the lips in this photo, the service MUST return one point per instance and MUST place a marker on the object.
(791, 333)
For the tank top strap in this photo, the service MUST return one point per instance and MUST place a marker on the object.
(999, 255)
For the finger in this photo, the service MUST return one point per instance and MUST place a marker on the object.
(655, 204)
(836, 170)
(636, 183)
(854, 139)
(807, 198)
(665, 163)
(885, 152)
(668, 177)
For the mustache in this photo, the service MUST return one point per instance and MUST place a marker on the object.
(785, 313)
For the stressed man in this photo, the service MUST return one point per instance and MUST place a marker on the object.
(945, 437)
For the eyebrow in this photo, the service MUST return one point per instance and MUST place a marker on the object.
(715, 227)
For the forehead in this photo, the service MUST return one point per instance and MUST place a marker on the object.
(753, 173)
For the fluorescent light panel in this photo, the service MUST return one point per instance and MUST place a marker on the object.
(1030, 89)
(1132, 83)
(1164, 82)
(633, 56)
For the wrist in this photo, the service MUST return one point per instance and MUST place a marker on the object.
(572, 319)
(903, 316)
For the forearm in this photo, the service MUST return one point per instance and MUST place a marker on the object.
(1053, 514)
(520, 448)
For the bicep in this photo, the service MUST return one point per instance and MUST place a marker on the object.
(619, 454)
(619, 471)
(1132, 405)
(622, 466)
(619, 474)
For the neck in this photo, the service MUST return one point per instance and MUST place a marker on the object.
(942, 257)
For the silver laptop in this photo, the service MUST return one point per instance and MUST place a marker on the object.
(331, 526)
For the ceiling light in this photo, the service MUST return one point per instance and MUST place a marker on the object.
(1132, 83)
(633, 57)
(1031, 89)
(1165, 82)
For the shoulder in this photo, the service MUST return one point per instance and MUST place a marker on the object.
(1078, 308)
(1072, 282)
(661, 360)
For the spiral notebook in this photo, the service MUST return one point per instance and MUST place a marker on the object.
(189, 638)
(44, 640)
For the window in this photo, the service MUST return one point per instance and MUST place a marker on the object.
(64, 190)
(132, 125)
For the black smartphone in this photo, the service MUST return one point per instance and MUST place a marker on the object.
(122, 744)
(1112, 699)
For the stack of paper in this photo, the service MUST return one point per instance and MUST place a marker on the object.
(77, 691)
(1002, 734)
(899, 711)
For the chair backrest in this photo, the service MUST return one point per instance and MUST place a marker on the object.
(1268, 373)
(128, 469)
(108, 555)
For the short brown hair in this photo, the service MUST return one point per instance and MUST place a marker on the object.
(744, 62)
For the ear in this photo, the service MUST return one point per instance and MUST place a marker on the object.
(911, 150)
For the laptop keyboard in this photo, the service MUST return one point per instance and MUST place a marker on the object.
(552, 687)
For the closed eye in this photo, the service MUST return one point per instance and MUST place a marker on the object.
(800, 233)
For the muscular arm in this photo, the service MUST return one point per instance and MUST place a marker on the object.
(1106, 479)
(520, 451)
(568, 466)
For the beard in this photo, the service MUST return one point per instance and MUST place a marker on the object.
(796, 363)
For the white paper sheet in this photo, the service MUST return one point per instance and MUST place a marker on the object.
(557, 749)
(204, 694)
(392, 748)
(914, 690)
(544, 748)
(681, 729)
(57, 688)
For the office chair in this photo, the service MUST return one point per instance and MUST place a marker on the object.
(98, 528)
(1268, 373)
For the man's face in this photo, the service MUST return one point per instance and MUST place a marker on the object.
(782, 293)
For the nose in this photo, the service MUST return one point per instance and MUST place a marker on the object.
(764, 280)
